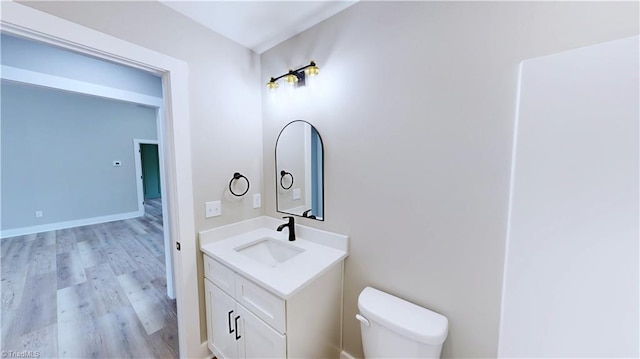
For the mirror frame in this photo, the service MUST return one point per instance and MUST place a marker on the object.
(275, 153)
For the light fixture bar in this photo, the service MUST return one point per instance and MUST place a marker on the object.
(295, 77)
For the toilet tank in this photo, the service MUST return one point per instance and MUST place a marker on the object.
(394, 328)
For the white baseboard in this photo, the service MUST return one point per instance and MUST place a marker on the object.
(69, 224)
(345, 355)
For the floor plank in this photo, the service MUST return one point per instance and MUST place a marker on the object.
(77, 318)
(38, 305)
(10, 338)
(119, 259)
(70, 269)
(15, 267)
(81, 339)
(88, 255)
(47, 238)
(42, 258)
(142, 296)
(124, 335)
(44, 342)
(108, 294)
(65, 240)
(149, 241)
(144, 259)
(165, 340)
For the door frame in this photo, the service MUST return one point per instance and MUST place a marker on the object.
(21, 20)
(168, 247)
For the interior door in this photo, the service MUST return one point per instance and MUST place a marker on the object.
(150, 170)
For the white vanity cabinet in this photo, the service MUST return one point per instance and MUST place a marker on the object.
(233, 332)
(244, 320)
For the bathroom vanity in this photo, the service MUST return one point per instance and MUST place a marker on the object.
(269, 297)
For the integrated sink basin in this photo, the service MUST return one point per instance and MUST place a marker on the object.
(269, 251)
(255, 250)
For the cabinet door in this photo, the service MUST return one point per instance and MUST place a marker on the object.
(258, 339)
(222, 330)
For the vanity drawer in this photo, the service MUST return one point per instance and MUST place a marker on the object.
(220, 275)
(261, 302)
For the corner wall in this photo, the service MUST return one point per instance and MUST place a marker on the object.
(415, 103)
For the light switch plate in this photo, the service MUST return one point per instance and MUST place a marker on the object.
(212, 209)
(296, 193)
(257, 200)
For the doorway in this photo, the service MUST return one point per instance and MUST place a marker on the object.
(175, 158)
(150, 171)
(81, 280)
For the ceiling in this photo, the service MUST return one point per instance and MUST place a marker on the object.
(258, 25)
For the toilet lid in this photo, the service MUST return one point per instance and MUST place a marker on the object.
(403, 317)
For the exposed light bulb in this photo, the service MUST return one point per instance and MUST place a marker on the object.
(291, 79)
(272, 85)
(312, 70)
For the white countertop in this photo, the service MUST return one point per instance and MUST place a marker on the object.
(288, 277)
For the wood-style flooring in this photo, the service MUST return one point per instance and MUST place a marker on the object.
(89, 292)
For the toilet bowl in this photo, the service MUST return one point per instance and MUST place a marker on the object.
(394, 328)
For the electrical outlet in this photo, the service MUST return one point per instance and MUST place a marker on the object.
(297, 193)
(212, 209)
(257, 200)
(38, 214)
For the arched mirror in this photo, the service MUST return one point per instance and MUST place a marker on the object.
(299, 171)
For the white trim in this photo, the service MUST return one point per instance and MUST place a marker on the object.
(68, 224)
(168, 260)
(24, 21)
(62, 83)
(510, 204)
(166, 224)
(345, 355)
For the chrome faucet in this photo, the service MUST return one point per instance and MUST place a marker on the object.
(291, 226)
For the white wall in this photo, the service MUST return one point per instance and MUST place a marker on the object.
(58, 150)
(571, 281)
(42, 58)
(415, 104)
(224, 91)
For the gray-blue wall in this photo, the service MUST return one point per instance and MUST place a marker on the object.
(39, 57)
(57, 154)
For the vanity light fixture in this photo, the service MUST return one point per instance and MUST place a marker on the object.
(295, 78)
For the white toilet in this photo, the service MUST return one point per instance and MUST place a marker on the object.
(394, 328)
